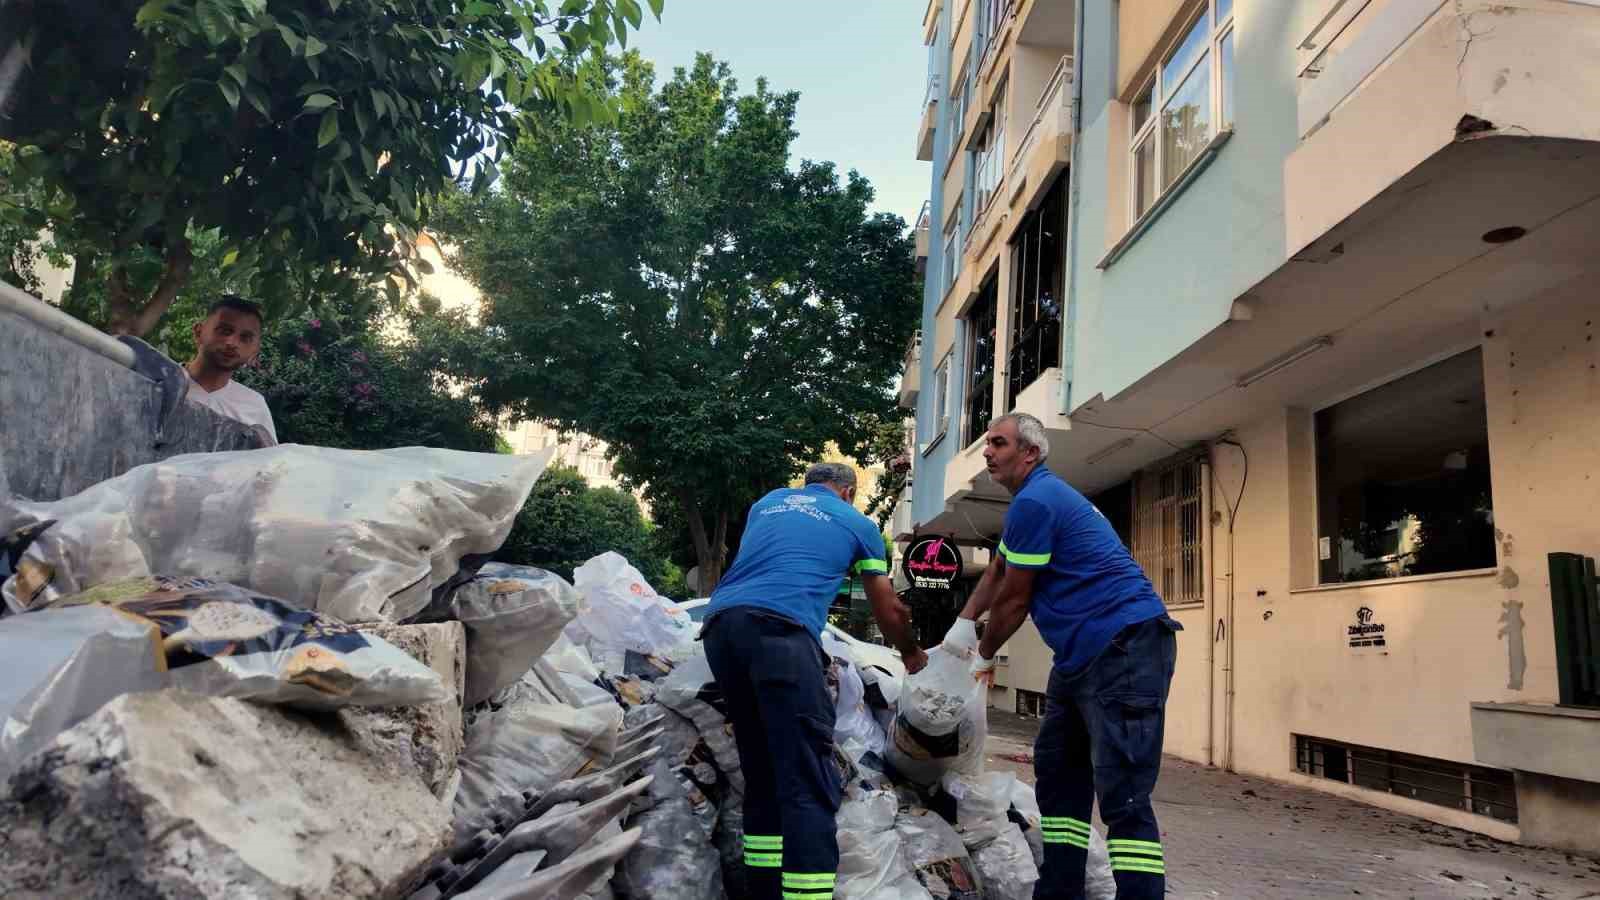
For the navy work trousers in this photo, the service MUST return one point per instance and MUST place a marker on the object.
(771, 672)
(1101, 737)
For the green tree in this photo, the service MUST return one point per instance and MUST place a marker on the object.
(566, 522)
(343, 383)
(309, 136)
(671, 285)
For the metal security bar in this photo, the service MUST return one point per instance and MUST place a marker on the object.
(1169, 529)
(1475, 789)
(1575, 596)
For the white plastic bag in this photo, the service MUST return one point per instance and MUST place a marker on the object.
(942, 721)
(982, 804)
(360, 535)
(936, 853)
(691, 691)
(525, 743)
(854, 727)
(1006, 865)
(872, 865)
(62, 665)
(513, 614)
(620, 612)
(224, 641)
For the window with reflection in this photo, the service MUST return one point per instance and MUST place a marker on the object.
(1037, 287)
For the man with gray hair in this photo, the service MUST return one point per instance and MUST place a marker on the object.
(1115, 648)
(763, 640)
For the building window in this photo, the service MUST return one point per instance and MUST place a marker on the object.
(1039, 254)
(1168, 530)
(941, 399)
(991, 155)
(1188, 99)
(991, 16)
(1475, 789)
(1403, 477)
(980, 361)
(1031, 704)
(952, 259)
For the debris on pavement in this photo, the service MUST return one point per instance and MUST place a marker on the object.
(233, 683)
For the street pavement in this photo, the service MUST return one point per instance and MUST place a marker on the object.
(1243, 838)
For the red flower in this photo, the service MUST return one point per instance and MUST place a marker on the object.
(358, 356)
(316, 323)
(304, 348)
(364, 390)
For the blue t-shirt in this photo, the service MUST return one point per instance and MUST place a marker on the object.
(1088, 587)
(798, 546)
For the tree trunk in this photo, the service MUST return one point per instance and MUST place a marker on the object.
(139, 319)
(77, 299)
(709, 548)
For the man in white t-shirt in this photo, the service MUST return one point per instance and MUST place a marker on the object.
(227, 338)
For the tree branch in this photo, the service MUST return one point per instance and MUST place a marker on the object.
(174, 275)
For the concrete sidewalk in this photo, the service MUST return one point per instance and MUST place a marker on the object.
(1233, 836)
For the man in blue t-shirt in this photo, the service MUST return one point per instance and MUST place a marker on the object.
(763, 640)
(1115, 647)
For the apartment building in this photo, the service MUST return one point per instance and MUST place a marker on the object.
(1305, 292)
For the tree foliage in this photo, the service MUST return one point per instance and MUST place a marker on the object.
(342, 382)
(566, 522)
(668, 283)
(305, 134)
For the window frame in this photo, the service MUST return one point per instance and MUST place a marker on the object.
(941, 399)
(1318, 502)
(989, 164)
(1155, 88)
(971, 394)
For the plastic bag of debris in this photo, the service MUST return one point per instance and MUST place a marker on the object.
(871, 863)
(225, 641)
(359, 535)
(513, 614)
(854, 727)
(982, 804)
(620, 612)
(62, 665)
(521, 743)
(1098, 880)
(691, 691)
(677, 857)
(570, 659)
(1006, 865)
(941, 723)
(937, 855)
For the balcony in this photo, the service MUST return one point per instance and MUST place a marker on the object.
(911, 376)
(930, 120)
(1389, 86)
(1046, 147)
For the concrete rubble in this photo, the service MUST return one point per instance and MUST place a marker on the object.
(427, 738)
(169, 794)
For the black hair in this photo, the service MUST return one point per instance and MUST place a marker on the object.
(237, 304)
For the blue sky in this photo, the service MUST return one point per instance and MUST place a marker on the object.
(859, 67)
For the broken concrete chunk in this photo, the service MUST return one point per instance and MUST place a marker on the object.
(428, 738)
(168, 794)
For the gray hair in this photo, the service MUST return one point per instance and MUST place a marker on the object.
(1030, 432)
(837, 474)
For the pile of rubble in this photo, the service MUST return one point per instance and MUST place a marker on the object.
(291, 673)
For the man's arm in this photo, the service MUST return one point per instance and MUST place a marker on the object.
(982, 596)
(1009, 609)
(894, 620)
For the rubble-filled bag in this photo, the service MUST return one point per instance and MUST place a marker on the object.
(222, 640)
(524, 741)
(620, 612)
(61, 666)
(691, 691)
(882, 697)
(937, 855)
(513, 614)
(941, 723)
(854, 727)
(361, 535)
(1006, 866)
(570, 659)
(1098, 880)
(982, 804)
(871, 864)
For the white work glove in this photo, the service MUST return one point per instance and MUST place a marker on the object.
(983, 669)
(962, 638)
